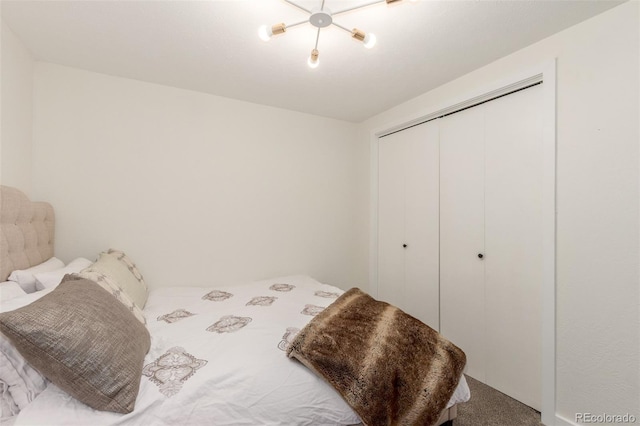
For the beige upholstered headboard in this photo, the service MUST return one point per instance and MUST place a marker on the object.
(26, 231)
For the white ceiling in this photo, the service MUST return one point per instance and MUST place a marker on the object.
(212, 46)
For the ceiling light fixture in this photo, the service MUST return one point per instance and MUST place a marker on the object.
(320, 18)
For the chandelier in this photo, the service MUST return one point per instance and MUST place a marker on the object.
(321, 18)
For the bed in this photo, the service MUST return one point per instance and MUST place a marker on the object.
(219, 355)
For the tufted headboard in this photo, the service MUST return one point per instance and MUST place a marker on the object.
(26, 231)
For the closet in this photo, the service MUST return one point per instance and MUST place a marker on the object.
(460, 234)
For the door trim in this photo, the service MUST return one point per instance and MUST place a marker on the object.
(545, 73)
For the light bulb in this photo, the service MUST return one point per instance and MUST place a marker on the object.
(265, 33)
(313, 60)
(369, 41)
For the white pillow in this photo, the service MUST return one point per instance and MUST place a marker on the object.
(19, 302)
(10, 290)
(20, 381)
(26, 277)
(53, 278)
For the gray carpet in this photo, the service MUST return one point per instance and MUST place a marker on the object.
(488, 407)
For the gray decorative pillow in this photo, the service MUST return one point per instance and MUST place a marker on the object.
(83, 340)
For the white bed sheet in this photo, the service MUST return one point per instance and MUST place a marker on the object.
(229, 368)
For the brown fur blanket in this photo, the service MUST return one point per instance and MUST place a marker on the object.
(389, 367)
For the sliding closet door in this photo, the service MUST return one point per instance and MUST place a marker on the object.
(391, 224)
(490, 205)
(422, 260)
(408, 186)
(462, 309)
(513, 240)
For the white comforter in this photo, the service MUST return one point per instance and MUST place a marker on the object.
(217, 357)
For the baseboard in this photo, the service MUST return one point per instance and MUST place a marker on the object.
(561, 421)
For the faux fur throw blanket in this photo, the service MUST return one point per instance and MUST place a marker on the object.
(389, 367)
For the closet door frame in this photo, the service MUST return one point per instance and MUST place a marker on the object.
(546, 74)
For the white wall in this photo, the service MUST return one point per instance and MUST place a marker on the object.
(198, 189)
(598, 330)
(16, 86)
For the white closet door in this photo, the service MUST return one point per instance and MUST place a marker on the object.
(513, 240)
(462, 313)
(391, 214)
(408, 215)
(422, 260)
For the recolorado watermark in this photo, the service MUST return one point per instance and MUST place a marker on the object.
(605, 418)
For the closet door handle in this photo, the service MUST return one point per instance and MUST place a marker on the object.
(480, 255)
(404, 246)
